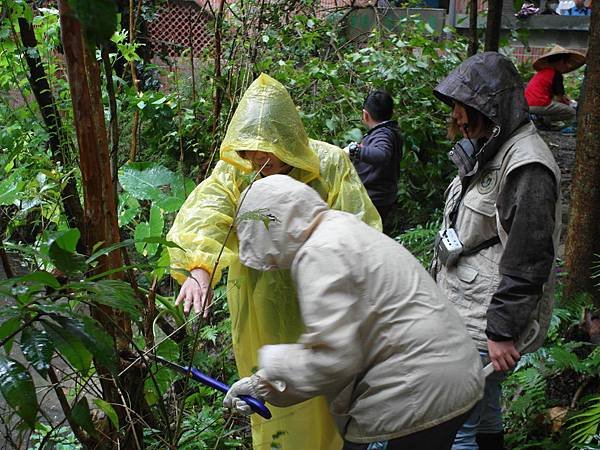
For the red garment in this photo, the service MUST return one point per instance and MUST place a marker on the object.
(539, 90)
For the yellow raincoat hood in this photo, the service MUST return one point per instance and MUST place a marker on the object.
(267, 120)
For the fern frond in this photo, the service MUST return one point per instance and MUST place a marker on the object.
(584, 425)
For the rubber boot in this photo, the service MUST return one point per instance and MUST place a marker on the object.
(490, 441)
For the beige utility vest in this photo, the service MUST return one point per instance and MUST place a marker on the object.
(472, 282)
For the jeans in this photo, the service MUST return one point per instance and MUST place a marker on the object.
(486, 417)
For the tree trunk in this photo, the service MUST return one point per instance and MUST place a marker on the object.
(494, 23)
(51, 117)
(473, 34)
(100, 218)
(583, 239)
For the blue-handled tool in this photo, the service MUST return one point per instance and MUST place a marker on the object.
(256, 405)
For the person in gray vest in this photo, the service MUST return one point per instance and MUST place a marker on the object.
(495, 254)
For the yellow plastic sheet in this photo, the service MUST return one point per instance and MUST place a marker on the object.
(263, 305)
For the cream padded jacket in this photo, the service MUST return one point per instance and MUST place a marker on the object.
(383, 345)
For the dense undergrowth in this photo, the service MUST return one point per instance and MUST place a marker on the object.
(45, 327)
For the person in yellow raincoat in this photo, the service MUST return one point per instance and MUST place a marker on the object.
(266, 134)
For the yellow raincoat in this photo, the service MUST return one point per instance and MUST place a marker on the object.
(263, 305)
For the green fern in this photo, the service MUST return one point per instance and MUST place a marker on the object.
(420, 241)
(261, 214)
(596, 269)
(584, 425)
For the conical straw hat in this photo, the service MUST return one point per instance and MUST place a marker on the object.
(573, 58)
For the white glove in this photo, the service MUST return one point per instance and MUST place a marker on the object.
(244, 386)
(347, 149)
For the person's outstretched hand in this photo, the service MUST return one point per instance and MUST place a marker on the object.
(503, 354)
(196, 291)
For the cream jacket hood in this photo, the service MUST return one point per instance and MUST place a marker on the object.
(390, 354)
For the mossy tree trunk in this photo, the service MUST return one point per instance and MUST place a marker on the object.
(100, 215)
(583, 239)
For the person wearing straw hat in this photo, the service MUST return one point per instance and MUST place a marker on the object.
(545, 92)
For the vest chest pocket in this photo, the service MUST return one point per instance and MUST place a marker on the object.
(477, 220)
(473, 287)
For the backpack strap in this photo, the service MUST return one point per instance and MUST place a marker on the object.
(482, 246)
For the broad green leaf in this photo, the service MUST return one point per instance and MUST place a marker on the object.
(7, 328)
(116, 294)
(67, 240)
(37, 348)
(161, 266)
(142, 231)
(156, 224)
(109, 411)
(169, 203)
(80, 412)
(164, 378)
(143, 180)
(98, 19)
(62, 252)
(18, 389)
(129, 208)
(355, 135)
(71, 263)
(10, 191)
(41, 277)
(69, 346)
(98, 343)
(168, 349)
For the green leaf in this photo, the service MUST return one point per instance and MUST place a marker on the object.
(116, 294)
(7, 328)
(142, 231)
(80, 412)
(97, 342)
(69, 346)
(129, 208)
(41, 277)
(162, 265)
(143, 180)
(37, 348)
(10, 191)
(168, 349)
(18, 389)
(107, 250)
(109, 411)
(98, 19)
(63, 255)
(164, 378)
(156, 225)
(67, 240)
(161, 240)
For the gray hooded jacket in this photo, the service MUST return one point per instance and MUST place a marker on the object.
(389, 353)
(511, 191)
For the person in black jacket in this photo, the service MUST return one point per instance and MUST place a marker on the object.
(377, 157)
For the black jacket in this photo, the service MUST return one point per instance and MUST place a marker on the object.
(378, 162)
